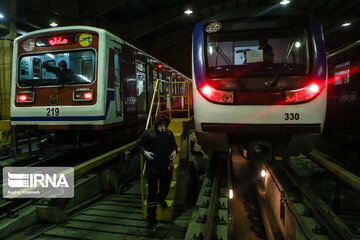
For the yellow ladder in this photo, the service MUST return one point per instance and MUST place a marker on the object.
(176, 126)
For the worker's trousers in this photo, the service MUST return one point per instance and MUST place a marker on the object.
(163, 181)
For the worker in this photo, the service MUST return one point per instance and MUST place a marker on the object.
(268, 53)
(159, 148)
(63, 73)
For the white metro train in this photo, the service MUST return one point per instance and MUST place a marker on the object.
(260, 80)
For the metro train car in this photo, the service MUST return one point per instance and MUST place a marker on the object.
(343, 115)
(261, 80)
(83, 79)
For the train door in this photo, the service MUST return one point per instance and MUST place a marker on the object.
(141, 87)
(115, 81)
(118, 84)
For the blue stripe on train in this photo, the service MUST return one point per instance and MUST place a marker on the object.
(66, 118)
(110, 97)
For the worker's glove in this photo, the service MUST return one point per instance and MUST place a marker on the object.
(172, 155)
(149, 155)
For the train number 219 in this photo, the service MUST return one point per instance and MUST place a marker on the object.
(292, 116)
(52, 112)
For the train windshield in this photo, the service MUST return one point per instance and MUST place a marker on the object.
(57, 68)
(237, 51)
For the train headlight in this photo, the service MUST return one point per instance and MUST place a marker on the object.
(217, 95)
(83, 95)
(25, 97)
(314, 88)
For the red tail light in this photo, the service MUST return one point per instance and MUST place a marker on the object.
(303, 94)
(25, 97)
(217, 95)
(22, 98)
(83, 95)
(88, 95)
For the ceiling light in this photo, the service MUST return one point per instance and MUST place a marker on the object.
(346, 24)
(53, 24)
(263, 173)
(297, 44)
(285, 2)
(1, 15)
(188, 11)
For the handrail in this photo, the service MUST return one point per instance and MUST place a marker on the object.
(152, 104)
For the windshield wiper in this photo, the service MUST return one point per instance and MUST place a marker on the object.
(218, 50)
(276, 78)
(228, 62)
(65, 84)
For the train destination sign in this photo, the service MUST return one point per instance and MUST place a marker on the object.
(56, 40)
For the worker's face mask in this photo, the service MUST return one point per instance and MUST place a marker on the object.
(61, 67)
(161, 127)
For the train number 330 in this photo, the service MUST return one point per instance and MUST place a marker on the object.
(52, 112)
(292, 116)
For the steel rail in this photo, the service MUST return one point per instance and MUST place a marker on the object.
(345, 176)
(332, 220)
(102, 159)
(209, 226)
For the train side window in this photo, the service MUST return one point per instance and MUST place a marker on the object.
(36, 67)
(141, 88)
(155, 75)
(342, 73)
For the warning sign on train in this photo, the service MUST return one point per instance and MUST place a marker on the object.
(85, 39)
(54, 99)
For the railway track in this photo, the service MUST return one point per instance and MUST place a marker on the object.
(113, 217)
(286, 202)
(210, 217)
(227, 205)
(58, 157)
(304, 198)
(279, 199)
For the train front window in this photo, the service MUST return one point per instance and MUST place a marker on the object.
(255, 54)
(57, 68)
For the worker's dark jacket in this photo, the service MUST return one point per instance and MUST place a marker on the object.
(162, 144)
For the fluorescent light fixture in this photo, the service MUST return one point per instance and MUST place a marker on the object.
(285, 2)
(346, 24)
(231, 194)
(188, 11)
(263, 173)
(53, 24)
(297, 44)
(1, 16)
